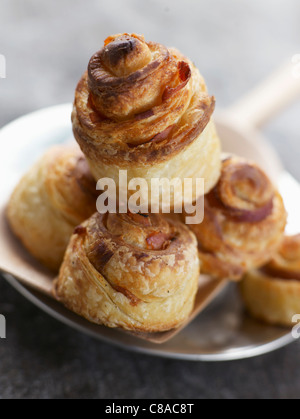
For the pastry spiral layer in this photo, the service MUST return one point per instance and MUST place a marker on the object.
(144, 108)
(57, 194)
(244, 221)
(272, 293)
(131, 271)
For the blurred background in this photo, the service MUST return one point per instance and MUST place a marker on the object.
(47, 46)
(234, 43)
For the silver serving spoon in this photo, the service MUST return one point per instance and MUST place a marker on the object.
(238, 129)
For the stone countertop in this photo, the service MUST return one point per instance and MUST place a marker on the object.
(47, 45)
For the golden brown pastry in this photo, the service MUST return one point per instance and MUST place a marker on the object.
(56, 195)
(244, 221)
(131, 271)
(144, 108)
(272, 294)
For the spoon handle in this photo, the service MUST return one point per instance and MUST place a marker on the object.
(269, 98)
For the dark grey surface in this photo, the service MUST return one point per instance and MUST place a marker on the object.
(47, 45)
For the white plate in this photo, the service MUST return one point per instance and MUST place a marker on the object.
(222, 332)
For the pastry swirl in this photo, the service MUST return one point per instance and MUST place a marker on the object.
(56, 195)
(272, 293)
(244, 221)
(132, 271)
(286, 262)
(145, 108)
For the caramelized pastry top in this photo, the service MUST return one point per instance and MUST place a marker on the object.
(135, 271)
(244, 193)
(243, 223)
(70, 185)
(285, 264)
(146, 244)
(140, 101)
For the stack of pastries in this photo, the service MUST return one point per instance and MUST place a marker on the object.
(144, 108)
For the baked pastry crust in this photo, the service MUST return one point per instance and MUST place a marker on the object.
(244, 221)
(131, 271)
(144, 108)
(56, 195)
(272, 294)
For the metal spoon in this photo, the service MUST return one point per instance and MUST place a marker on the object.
(238, 129)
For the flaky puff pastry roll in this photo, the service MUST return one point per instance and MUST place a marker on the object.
(56, 195)
(144, 108)
(244, 221)
(131, 271)
(272, 293)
